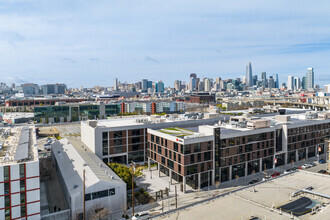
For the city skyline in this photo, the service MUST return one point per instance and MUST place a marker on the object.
(87, 44)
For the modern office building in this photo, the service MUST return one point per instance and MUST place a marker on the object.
(75, 112)
(116, 84)
(125, 139)
(177, 85)
(310, 79)
(220, 153)
(290, 84)
(30, 89)
(249, 79)
(297, 83)
(160, 87)
(277, 83)
(144, 85)
(264, 79)
(51, 89)
(19, 174)
(104, 190)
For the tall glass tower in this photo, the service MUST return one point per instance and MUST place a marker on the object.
(249, 79)
(310, 79)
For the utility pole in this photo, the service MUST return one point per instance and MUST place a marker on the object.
(84, 194)
(176, 198)
(133, 188)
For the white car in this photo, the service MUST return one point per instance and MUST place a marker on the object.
(266, 178)
(141, 215)
(305, 166)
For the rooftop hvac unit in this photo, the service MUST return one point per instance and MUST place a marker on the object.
(311, 115)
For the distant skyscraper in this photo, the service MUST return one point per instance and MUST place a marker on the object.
(277, 83)
(264, 79)
(310, 79)
(116, 84)
(207, 85)
(192, 84)
(249, 79)
(303, 82)
(160, 87)
(271, 82)
(144, 85)
(290, 85)
(255, 79)
(297, 83)
(177, 85)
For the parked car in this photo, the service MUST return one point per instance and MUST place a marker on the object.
(288, 171)
(275, 174)
(266, 178)
(323, 172)
(141, 215)
(322, 161)
(306, 165)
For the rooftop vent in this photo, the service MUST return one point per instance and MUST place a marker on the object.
(100, 164)
(85, 164)
(75, 186)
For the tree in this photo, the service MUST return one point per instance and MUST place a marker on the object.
(123, 172)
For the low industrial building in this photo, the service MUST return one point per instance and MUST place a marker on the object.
(104, 190)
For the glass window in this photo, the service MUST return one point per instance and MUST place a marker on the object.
(7, 188)
(207, 156)
(176, 147)
(136, 132)
(192, 158)
(21, 171)
(197, 147)
(7, 214)
(22, 185)
(112, 192)
(87, 197)
(22, 198)
(117, 134)
(7, 201)
(105, 135)
(6, 173)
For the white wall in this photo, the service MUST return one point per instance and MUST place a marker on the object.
(1, 176)
(33, 208)
(88, 135)
(32, 196)
(15, 199)
(2, 189)
(14, 172)
(32, 183)
(16, 212)
(32, 169)
(15, 186)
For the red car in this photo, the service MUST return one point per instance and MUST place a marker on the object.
(275, 174)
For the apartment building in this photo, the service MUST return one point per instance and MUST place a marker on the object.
(19, 174)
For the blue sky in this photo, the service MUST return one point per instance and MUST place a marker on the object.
(91, 42)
